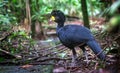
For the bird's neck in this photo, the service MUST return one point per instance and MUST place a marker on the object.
(60, 25)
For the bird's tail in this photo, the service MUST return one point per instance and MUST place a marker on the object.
(96, 49)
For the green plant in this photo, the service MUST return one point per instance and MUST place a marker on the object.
(6, 17)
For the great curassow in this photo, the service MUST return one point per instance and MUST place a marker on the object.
(74, 35)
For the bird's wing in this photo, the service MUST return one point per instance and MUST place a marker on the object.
(77, 33)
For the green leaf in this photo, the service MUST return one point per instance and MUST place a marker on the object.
(114, 6)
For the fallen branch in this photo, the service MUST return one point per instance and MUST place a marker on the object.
(57, 59)
(118, 36)
(52, 48)
(39, 63)
(7, 54)
(31, 61)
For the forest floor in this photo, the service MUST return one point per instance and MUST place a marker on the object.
(50, 56)
(44, 58)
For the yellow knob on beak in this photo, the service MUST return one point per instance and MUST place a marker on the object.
(52, 18)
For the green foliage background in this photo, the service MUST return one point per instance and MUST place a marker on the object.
(12, 11)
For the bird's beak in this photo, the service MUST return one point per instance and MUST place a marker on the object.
(52, 18)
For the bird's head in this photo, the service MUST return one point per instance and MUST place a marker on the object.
(57, 16)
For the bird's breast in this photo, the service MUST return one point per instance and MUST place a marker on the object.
(67, 41)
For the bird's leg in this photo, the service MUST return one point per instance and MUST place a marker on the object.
(74, 57)
(86, 55)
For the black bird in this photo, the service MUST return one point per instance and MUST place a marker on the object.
(74, 35)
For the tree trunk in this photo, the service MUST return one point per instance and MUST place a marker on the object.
(85, 13)
(42, 31)
(33, 29)
(28, 15)
(39, 31)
